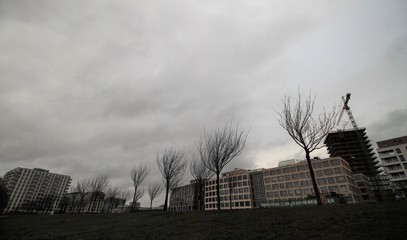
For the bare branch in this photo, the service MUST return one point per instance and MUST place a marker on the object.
(172, 167)
(138, 175)
(154, 190)
(219, 147)
(306, 131)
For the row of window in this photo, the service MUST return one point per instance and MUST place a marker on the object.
(226, 204)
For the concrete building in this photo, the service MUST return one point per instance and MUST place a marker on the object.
(333, 175)
(365, 187)
(393, 155)
(184, 198)
(235, 191)
(35, 190)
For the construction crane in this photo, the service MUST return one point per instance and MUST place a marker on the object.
(347, 109)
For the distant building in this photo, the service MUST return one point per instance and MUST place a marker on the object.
(184, 198)
(35, 190)
(393, 155)
(88, 203)
(293, 182)
(114, 205)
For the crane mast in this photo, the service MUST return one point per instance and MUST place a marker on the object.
(348, 111)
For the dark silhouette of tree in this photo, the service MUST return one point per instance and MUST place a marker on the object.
(138, 175)
(3, 196)
(82, 188)
(125, 195)
(98, 186)
(172, 167)
(219, 147)
(306, 131)
(201, 175)
(154, 190)
(112, 194)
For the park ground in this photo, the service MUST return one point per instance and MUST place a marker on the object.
(382, 220)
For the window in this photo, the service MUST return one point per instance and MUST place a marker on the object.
(294, 176)
(321, 181)
(289, 185)
(328, 172)
(317, 165)
(286, 170)
(402, 158)
(334, 189)
(330, 180)
(324, 189)
(283, 193)
(337, 170)
(335, 162)
(245, 177)
(319, 173)
(301, 168)
(340, 179)
(398, 150)
(343, 188)
(239, 178)
(247, 203)
(287, 177)
(281, 178)
(325, 163)
(269, 194)
(303, 175)
(275, 187)
(282, 186)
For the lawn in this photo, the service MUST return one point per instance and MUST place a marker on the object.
(359, 221)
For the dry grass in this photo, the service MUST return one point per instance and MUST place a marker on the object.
(361, 221)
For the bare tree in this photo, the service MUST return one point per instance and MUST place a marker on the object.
(306, 131)
(219, 147)
(172, 167)
(201, 175)
(138, 175)
(111, 194)
(154, 189)
(98, 186)
(125, 195)
(82, 188)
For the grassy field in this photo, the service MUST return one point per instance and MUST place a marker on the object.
(361, 221)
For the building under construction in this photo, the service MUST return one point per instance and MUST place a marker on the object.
(354, 146)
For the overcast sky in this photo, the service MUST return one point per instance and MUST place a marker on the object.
(98, 86)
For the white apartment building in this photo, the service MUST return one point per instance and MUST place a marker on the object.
(35, 190)
(393, 155)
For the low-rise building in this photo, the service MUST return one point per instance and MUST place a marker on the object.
(184, 198)
(333, 176)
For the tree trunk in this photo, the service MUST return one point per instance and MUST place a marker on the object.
(217, 188)
(314, 181)
(166, 197)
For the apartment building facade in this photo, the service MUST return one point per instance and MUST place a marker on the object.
(393, 155)
(35, 190)
(235, 191)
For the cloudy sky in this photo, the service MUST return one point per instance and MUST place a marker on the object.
(98, 86)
